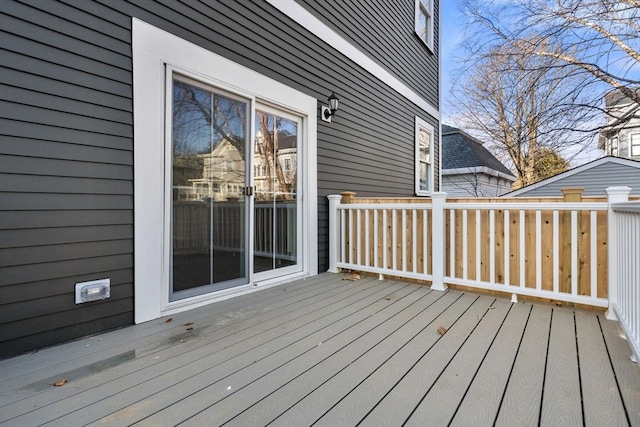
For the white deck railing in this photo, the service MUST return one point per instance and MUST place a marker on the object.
(624, 272)
(546, 250)
(564, 282)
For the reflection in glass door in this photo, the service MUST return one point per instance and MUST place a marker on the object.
(208, 210)
(276, 213)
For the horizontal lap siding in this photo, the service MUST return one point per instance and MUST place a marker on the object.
(385, 31)
(67, 148)
(66, 191)
(595, 181)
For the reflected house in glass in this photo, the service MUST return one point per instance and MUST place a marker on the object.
(220, 180)
(286, 160)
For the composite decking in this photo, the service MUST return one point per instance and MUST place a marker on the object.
(331, 352)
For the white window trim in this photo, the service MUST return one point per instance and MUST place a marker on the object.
(153, 50)
(422, 124)
(632, 145)
(429, 10)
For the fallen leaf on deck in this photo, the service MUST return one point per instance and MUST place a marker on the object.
(188, 324)
(60, 382)
(353, 277)
(189, 329)
(168, 320)
(442, 330)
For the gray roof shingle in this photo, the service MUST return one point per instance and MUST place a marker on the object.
(460, 151)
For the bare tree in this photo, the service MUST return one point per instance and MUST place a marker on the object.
(595, 40)
(519, 105)
(269, 153)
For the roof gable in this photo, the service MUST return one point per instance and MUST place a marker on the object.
(462, 151)
(608, 160)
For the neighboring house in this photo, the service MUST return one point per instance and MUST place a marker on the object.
(469, 169)
(113, 111)
(595, 177)
(621, 137)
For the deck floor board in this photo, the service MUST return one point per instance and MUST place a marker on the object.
(561, 402)
(484, 396)
(602, 405)
(326, 351)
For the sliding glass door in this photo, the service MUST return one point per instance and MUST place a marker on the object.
(233, 198)
(276, 210)
(210, 136)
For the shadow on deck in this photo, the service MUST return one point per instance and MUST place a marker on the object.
(327, 351)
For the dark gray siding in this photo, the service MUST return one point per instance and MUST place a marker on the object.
(384, 30)
(67, 159)
(595, 181)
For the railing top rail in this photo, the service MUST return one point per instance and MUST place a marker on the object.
(626, 207)
(555, 206)
(384, 206)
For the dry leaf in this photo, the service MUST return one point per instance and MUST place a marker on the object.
(189, 329)
(60, 382)
(442, 330)
(188, 324)
(168, 320)
(352, 278)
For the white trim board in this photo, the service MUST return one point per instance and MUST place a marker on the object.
(478, 169)
(153, 51)
(308, 21)
(570, 172)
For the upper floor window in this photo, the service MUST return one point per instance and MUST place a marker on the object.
(634, 142)
(424, 21)
(424, 157)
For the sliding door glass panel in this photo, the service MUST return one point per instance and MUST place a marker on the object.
(275, 167)
(208, 176)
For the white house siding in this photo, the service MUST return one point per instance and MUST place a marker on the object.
(474, 185)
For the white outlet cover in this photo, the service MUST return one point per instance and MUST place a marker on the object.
(93, 290)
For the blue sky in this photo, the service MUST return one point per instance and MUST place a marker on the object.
(453, 24)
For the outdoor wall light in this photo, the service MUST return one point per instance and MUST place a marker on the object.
(328, 112)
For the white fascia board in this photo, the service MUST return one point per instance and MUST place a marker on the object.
(478, 169)
(312, 24)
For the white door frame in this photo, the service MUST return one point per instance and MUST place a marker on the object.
(153, 50)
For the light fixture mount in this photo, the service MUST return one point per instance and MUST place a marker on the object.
(328, 112)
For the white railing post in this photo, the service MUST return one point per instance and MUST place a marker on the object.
(615, 195)
(437, 240)
(334, 238)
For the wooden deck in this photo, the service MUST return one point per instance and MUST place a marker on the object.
(331, 352)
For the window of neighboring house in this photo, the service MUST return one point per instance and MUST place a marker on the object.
(634, 142)
(424, 22)
(614, 146)
(424, 157)
(287, 164)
